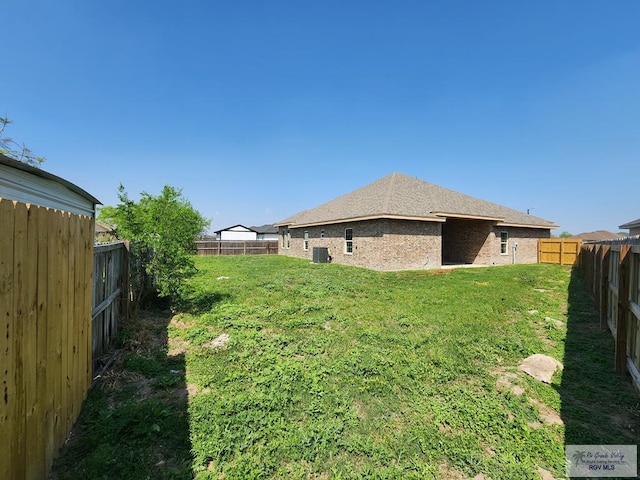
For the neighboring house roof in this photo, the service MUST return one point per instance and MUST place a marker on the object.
(265, 229)
(597, 236)
(101, 228)
(236, 229)
(402, 197)
(631, 224)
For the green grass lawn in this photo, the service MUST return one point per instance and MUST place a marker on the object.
(279, 368)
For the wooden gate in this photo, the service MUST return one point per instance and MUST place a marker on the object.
(561, 251)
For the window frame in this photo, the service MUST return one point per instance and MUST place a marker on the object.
(305, 240)
(504, 242)
(348, 241)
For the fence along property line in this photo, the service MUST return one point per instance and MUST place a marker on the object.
(561, 251)
(110, 296)
(231, 247)
(612, 272)
(45, 334)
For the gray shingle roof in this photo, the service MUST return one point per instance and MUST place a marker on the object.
(631, 224)
(401, 196)
(268, 228)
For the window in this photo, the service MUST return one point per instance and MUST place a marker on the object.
(306, 241)
(286, 238)
(348, 240)
(504, 243)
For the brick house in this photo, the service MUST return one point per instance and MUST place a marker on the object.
(403, 223)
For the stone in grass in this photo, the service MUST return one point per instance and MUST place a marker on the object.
(532, 312)
(541, 367)
(219, 342)
(557, 323)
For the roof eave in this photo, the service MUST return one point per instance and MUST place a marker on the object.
(360, 219)
(630, 225)
(469, 217)
(527, 225)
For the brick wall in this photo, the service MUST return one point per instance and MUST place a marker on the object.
(408, 245)
(377, 244)
(526, 252)
(463, 241)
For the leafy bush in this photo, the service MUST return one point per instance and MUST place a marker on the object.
(164, 229)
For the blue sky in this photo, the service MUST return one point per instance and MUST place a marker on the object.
(258, 110)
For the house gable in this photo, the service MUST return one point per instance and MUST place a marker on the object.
(236, 232)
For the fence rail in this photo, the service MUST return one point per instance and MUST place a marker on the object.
(612, 272)
(230, 247)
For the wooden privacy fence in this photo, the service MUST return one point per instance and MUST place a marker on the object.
(46, 262)
(110, 296)
(230, 247)
(612, 272)
(561, 251)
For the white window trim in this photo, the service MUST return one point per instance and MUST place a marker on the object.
(346, 242)
(505, 243)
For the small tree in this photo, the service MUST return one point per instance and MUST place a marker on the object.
(565, 235)
(13, 149)
(163, 229)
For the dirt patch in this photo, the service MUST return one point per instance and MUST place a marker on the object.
(182, 321)
(177, 346)
(545, 474)
(506, 381)
(547, 414)
(450, 473)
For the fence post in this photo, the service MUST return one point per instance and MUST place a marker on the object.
(623, 309)
(604, 287)
(125, 285)
(597, 278)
